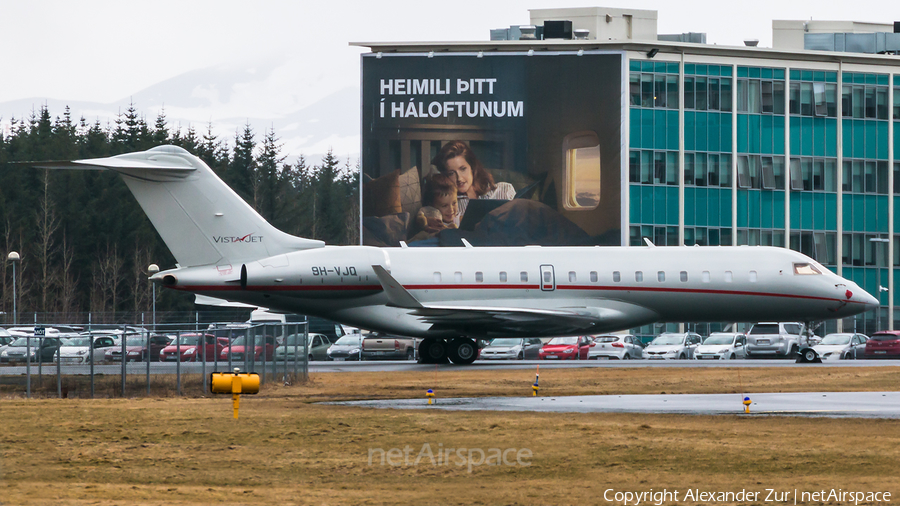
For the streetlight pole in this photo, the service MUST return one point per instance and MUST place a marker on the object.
(14, 258)
(152, 270)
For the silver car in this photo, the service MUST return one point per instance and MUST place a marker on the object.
(672, 345)
(512, 348)
(722, 346)
(615, 346)
(842, 346)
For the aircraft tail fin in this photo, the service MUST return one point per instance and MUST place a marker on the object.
(201, 219)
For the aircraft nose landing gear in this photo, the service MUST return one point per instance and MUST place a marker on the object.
(460, 350)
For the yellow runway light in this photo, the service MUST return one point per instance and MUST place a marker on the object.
(235, 383)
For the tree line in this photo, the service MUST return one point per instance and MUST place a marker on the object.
(84, 242)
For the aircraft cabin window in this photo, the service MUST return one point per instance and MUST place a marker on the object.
(437, 277)
(705, 277)
(593, 276)
(523, 276)
(661, 276)
(684, 276)
(805, 269)
(753, 276)
(617, 277)
(457, 276)
(729, 277)
(638, 276)
(503, 276)
(479, 277)
(572, 277)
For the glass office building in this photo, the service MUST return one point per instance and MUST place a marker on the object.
(750, 146)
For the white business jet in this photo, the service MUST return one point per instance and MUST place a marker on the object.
(454, 297)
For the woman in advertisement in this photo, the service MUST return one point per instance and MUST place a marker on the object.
(457, 160)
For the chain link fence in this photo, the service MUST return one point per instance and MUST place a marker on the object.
(129, 361)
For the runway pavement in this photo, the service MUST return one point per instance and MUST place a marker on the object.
(815, 404)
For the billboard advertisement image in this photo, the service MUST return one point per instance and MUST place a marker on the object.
(499, 149)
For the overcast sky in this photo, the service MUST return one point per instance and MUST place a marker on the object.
(107, 51)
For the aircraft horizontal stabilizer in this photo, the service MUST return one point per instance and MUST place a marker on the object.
(204, 300)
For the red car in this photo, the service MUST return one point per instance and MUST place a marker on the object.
(884, 344)
(136, 348)
(566, 348)
(192, 350)
(242, 343)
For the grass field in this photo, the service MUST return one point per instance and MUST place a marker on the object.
(286, 449)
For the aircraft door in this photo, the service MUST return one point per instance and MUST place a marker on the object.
(548, 279)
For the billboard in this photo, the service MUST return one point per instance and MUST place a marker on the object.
(496, 148)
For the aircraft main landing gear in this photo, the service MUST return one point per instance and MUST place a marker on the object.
(460, 350)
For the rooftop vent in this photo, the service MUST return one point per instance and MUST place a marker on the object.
(527, 32)
(582, 34)
(751, 42)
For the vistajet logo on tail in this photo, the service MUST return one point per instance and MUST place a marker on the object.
(225, 239)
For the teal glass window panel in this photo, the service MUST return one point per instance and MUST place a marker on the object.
(795, 135)
(754, 71)
(859, 213)
(634, 203)
(671, 205)
(743, 209)
(646, 128)
(871, 139)
(847, 137)
(767, 203)
(766, 73)
(896, 140)
(743, 72)
(634, 65)
(830, 211)
(882, 79)
(878, 208)
(778, 74)
(701, 204)
(702, 132)
(830, 137)
(847, 77)
(806, 136)
(754, 131)
(690, 143)
(859, 78)
(725, 70)
(672, 130)
(647, 66)
(897, 217)
(713, 70)
(778, 135)
(648, 196)
(818, 136)
(806, 75)
(870, 78)
(689, 68)
(767, 134)
(795, 210)
(725, 208)
(659, 134)
(701, 70)
(795, 75)
(672, 67)
(806, 210)
(712, 206)
(634, 128)
(690, 205)
(819, 76)
(660, 67)
(725, 129)
(830, 77)
(715, 131)
(778, 209)
(881, 134)
(818, 211)
(847, 214)
(859, 139)
(743, 133)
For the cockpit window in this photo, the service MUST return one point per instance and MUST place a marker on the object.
(806, 269)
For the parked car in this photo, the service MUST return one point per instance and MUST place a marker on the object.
(616, 346)
(5, 339)
(136, 348)
(262, 346)
(672, 345)
(381, 346)
(348, 347)
(43, 349)
(884, 344)
(77, 350)
(194, 348)
(513, 348)
(842, 346)
(774, 339)
(722, 346)
(566, 348)
(317, 349)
